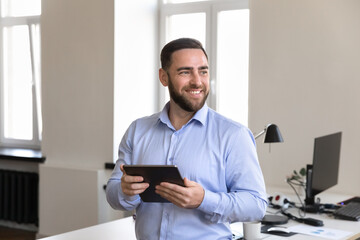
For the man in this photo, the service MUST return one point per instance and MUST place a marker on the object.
(216, 156)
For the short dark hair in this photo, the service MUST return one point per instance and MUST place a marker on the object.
(175, 45)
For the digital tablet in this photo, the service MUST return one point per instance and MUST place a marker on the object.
(154, 175)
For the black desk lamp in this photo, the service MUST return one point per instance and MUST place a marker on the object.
(272, 135)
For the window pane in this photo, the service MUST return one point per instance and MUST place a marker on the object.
(192, 25)
(17, 75)
(16, 8)
(37, 73)
(233, 64)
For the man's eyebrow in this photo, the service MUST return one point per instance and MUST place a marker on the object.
(203, 67)
(184, 68)
(191, 68)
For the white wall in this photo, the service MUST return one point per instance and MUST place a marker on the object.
(77, 96)
(77, 81)
(78, 75)
(304, 76)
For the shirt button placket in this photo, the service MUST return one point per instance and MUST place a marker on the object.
(173, 144)
(165, 223)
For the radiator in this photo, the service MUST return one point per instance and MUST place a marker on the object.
(19, 196)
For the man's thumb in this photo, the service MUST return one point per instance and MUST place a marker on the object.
(188, 183)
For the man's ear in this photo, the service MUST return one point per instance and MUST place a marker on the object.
(163, 77)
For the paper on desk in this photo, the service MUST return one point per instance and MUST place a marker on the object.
(327, 233)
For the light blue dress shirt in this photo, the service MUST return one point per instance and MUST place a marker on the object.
(211, 150)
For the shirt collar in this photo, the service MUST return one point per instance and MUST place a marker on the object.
(164, 117)
(199, 116)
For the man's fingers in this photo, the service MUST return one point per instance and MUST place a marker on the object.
(170, 191)
(132, 185)
(132, 179)
(189, 196)
(170, 187)
(122, 168)
(137, 186)
(134, 188)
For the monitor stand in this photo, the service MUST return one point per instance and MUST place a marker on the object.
(310, 205)
(313, 208)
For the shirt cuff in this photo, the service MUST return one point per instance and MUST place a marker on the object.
(210, 203)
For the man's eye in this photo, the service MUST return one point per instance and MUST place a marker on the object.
(184, 73)
(204, 72)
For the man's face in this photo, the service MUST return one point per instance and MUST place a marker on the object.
(188, 79)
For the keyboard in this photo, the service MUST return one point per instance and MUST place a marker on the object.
(351, 212)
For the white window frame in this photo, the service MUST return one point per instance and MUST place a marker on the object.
(211, 8)
(31, 22)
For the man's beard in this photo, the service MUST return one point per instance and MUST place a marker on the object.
(182, 101)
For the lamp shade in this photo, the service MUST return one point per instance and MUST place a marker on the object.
(272, 134)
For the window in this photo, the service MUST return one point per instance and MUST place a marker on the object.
(20, 124)
(223, 28)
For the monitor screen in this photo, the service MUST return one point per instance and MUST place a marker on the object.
(326, 160)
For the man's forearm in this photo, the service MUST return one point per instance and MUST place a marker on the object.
(232, 207)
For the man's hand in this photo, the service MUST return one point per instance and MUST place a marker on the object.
(189, 196)
(132, 185)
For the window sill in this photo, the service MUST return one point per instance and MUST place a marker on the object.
(21, 154)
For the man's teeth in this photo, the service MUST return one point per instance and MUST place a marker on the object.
(195, 92)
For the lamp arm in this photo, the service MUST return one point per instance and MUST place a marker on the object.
(259, 134)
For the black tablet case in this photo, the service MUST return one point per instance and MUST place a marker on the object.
(154, 175)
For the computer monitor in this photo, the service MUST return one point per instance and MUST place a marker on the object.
(324, 171)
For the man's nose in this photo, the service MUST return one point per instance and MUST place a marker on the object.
(196, 79)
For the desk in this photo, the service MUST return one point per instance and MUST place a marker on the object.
(329, 221)
(343, 225)
(125, 228)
